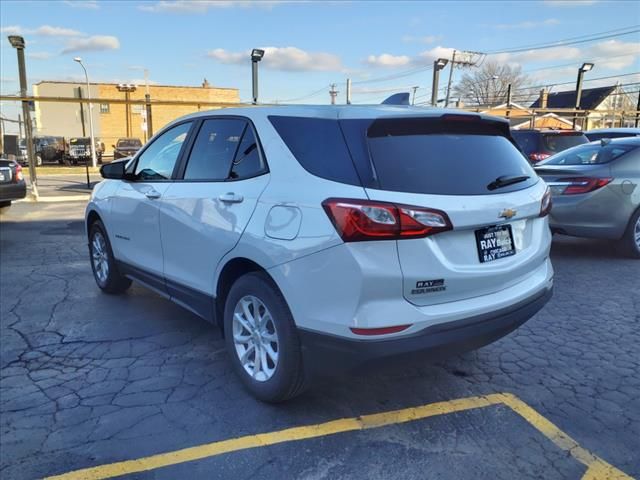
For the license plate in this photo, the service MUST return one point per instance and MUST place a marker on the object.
(494, 243)
(4, 177)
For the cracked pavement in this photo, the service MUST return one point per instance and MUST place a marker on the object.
(88, 379)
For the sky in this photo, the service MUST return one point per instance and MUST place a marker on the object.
(310, 45)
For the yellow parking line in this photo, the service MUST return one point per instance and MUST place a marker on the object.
(596, 467)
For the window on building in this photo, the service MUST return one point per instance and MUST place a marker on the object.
(104, 108)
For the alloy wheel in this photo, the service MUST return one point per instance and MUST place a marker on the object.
(100, 257)
(255, 338)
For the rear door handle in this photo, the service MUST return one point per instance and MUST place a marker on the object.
(152, 194)
(231, 197)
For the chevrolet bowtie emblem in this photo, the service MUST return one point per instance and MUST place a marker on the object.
(508, 213)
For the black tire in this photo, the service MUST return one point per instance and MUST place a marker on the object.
(288, 379)
(629, 240)
(5, 204)
(114, 282)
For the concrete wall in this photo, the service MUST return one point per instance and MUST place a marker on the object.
(64, 119)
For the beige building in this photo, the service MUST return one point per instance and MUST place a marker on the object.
(117, 120)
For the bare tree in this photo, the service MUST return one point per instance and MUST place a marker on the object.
(488, 84)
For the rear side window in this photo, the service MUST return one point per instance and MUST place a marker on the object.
(557, 142)
(590, 154)
(458, 158)
(247, 162)
(319, 146)
(214, 149)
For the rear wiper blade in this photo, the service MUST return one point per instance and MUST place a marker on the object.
(506, 180)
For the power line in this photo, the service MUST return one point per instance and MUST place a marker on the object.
(570, 41)
(309, 95)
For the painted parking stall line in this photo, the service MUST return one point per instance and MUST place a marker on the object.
(596, 467)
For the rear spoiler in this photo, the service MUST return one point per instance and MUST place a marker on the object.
(461, 123)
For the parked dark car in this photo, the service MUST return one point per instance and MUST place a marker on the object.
(12, 184)
(48, 149)
(540, 144)
(126, 147)
(80, 152)
(596, 191)
(600, 133)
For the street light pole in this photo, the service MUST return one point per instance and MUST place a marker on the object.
(94, 161)
(18, 43)
(438, 65)
(256, 56)
(581, 71)
(453, 64)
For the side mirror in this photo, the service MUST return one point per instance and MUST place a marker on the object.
(113, 170)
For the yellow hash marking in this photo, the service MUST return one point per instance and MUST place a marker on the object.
(597, 468)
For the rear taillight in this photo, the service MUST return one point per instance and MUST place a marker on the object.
(574, 186)
(361, 220)
(538, 157)
(545, 205)
(18, 177)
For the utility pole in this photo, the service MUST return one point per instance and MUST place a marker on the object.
(127, 89)
(509, 100)
(256, 56)
(19, 127)
(18, 43)
(453, 64)
(413, 95)
(333, 93)
(94, 161)
(147, 100)
(348, 91)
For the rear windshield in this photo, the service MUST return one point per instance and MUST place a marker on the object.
(453, 160)
(414, 155)
(129, 143)
(557, 142)
(589, 154)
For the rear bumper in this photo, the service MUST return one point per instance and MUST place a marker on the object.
(325, 353)
(12, 191)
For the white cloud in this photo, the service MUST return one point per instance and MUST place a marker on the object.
(388, 61)
(202, 6)
(11, 30)
(290, 59)
(93, 43)
(43, 31)
(528, 24)
(88, 4)
(618, 54)
(39, 55)
(421, 39)
(49, 31)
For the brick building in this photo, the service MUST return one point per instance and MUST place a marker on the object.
(116, 120)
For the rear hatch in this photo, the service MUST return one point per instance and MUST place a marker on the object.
(467, 167)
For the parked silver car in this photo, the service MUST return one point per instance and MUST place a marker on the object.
(596, 191)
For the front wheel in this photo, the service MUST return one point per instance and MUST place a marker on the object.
(103, 264)
(262, 340)
(631, 237)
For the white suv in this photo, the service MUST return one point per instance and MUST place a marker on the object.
(324, 236)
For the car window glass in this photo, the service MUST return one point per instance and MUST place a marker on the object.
(214, 149)
(527, 141)
(560, 142)
(247, 162)
(590, 154)
(158, 160)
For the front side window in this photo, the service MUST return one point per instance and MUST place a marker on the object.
(214, 149)
(159, 159)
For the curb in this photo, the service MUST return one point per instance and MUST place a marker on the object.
(62, 198)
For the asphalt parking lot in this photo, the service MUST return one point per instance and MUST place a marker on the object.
(90, 380)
